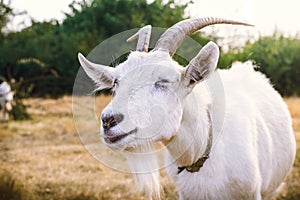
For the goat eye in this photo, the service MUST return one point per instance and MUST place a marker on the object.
(161, 84)
(116, 83)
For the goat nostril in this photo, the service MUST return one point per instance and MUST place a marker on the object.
(118, 118)
(107, 122)
(111, 120)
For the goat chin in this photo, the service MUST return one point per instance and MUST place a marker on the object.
(144, 166)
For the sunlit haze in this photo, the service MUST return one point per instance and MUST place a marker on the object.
(266, 15)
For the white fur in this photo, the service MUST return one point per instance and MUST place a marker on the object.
(256, 147)
(253, 147)
(6, 99)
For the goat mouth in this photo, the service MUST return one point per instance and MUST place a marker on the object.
(115, 138)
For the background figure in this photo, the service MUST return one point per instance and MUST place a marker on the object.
(6, 100)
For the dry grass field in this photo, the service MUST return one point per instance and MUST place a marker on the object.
(43, 159)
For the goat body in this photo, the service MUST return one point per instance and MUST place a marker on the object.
(255, 148)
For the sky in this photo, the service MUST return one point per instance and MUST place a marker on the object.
(39, 10)
(266, 15)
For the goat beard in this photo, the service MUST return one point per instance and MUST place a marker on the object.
(144, 166)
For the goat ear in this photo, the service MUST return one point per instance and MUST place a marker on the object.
(201, 66)
(102, 75)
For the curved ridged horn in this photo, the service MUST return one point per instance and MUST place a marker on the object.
(143, 36)
(173, 37)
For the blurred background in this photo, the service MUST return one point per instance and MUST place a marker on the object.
(40, 39)
(41, 156)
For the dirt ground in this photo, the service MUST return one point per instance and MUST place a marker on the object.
(43, 158)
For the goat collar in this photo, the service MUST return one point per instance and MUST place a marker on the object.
(195, 167)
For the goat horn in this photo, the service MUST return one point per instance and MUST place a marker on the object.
(143, 36)
(173, 37)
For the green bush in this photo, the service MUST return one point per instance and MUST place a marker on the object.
(19, 111)
(277, 56)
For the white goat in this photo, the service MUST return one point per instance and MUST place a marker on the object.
(245, 156)
(6, 100)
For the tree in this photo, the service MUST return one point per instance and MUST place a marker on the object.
(5, 12)
(43, 56)
(95, 21)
